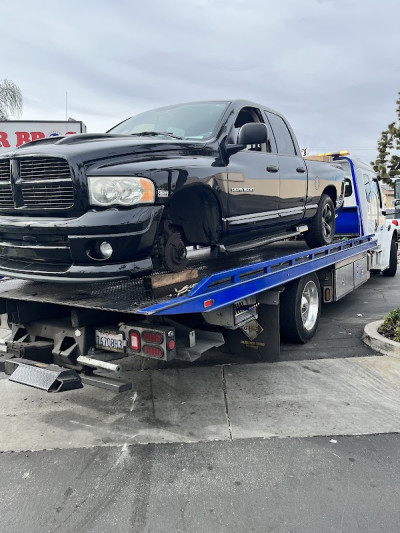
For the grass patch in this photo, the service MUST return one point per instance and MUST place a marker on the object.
(391, 326)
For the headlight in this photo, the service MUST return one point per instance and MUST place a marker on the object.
(120, 190)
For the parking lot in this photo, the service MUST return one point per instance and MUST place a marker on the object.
(309, 443)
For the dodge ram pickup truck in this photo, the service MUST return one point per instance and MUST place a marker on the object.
(226, 175)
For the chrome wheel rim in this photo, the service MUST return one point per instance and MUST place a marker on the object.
(309, 305)
(327, 221)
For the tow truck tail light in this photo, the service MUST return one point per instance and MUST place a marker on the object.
(171, 344)
(134, 337)
(153, 351)
(156, 341)
(152, 337)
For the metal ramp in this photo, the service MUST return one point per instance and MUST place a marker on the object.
(51, 378)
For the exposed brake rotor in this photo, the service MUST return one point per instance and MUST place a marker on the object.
(175, 253)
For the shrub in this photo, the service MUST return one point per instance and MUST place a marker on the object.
(391, 326)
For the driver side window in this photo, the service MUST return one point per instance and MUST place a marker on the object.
(248, 115)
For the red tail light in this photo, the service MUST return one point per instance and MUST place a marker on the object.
(153, 337)
(395, 222)
(152, 351)
(171, 344)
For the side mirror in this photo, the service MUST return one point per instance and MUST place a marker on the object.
(348, 188)
(253, 133)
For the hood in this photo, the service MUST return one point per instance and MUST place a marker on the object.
(88, 147)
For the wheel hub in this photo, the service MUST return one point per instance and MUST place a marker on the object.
(327, 217)
(309, 305)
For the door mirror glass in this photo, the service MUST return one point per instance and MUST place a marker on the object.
(253, 133)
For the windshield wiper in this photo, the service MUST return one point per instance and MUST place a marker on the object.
(153, 133)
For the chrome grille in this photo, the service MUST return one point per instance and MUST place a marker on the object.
(6, 198)
(47, 168)
(4, 169)
(41, 183)
(48, 195)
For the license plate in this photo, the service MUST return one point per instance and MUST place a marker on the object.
(106, 340)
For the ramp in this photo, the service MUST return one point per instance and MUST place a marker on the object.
(50, 378)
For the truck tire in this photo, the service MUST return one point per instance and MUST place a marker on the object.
(392, 268)
(300, 309)
(322, 227)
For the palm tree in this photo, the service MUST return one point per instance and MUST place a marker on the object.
(10, 99)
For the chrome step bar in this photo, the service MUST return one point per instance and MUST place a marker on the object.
(198, 254)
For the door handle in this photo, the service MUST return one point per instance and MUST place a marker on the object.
(272, 168)
(301, 170)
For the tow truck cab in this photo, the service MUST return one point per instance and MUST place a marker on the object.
(363, 211)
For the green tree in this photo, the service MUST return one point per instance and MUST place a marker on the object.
(10, 100)
(387, 163)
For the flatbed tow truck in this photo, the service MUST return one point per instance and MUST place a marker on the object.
(62, 336)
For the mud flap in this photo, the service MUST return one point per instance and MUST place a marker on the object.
(261, 337)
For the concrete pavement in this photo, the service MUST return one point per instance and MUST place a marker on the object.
(308, 444)
(351, 396)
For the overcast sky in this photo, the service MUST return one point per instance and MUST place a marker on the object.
(331, 67)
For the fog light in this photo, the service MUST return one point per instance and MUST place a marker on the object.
(105, 249)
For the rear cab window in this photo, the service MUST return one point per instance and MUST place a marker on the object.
(283, 137)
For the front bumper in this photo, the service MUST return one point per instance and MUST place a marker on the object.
(61, 249)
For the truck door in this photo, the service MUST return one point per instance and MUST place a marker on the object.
(293, 172)
(253, 178)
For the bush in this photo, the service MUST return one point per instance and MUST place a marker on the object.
(391, 326)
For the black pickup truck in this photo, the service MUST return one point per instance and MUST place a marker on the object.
(227, 175)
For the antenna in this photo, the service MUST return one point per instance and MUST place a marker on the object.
(66, 105)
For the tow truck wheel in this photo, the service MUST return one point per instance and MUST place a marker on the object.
(300, 309)
(392, 269)
(322, 227)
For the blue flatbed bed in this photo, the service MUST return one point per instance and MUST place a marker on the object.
(220, 282)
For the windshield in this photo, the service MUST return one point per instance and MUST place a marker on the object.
(186, 121)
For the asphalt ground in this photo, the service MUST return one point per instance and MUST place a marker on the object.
(307, 444)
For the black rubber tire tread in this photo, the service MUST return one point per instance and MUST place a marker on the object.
(392, 269)
(291, 325)
(315, 236)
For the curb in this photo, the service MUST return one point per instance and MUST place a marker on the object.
(378, 342)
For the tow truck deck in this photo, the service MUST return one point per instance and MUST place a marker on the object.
(217, 281)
